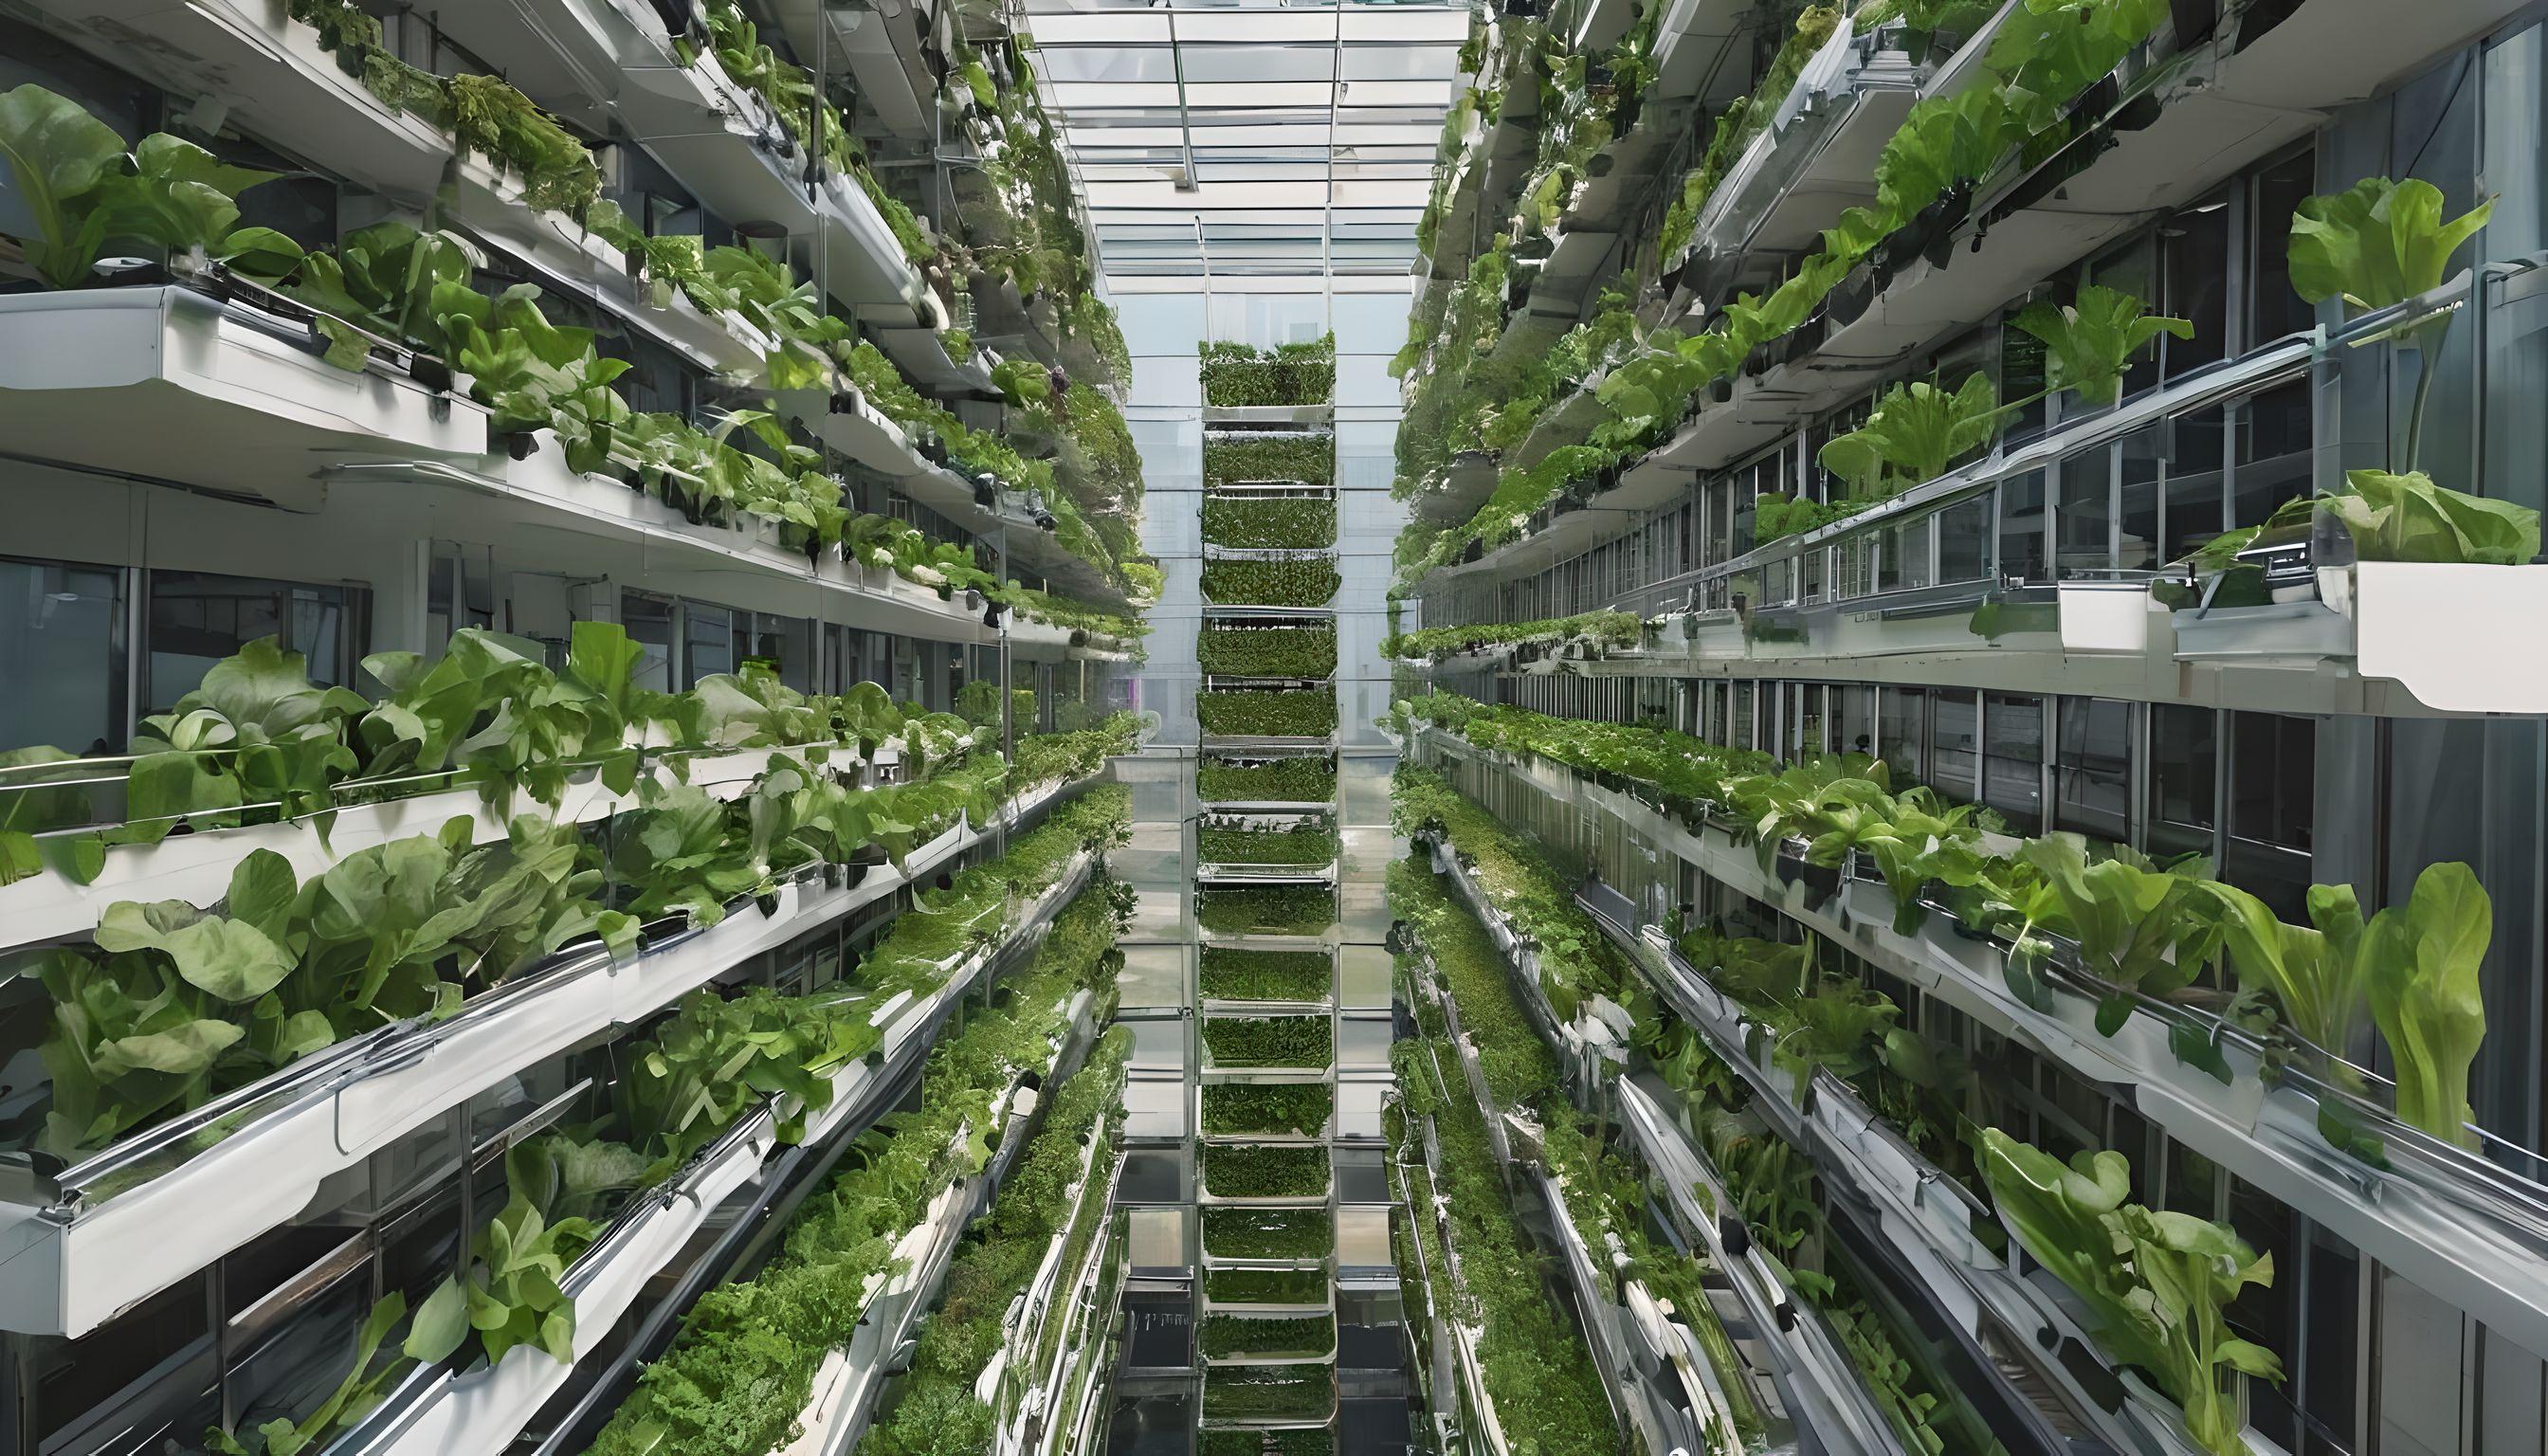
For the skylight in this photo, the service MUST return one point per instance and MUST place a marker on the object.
(1224, 139)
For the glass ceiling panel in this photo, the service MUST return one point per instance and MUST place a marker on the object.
(1314, 124)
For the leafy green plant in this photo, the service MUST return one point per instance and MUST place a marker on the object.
(747, 1357)
(1918, 429)
(1274, 1041)
(2090, 342)
(1283, 712)
(84, 191)
(1266, 909)
(2424, 994)
(1300, 778)
(1235, 374)
(2140, 927)
(2157, 1285)
(1234, 581)
(1290, 1392)
(1238, 1108)
(1306, 458)
(1235, 974)
(1517, 1065)
(1222, 839)
(1268, 1233)
(1264, 1170)
(1269, 522)
(2408, 518)
(1266, 1286)
(1252, 1441)
(1267, 652)
(2375, 245)
(1228, 1335)
(1614, 629)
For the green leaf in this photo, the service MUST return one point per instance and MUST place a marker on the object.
(58, 155)
(2376, 244)
(2425, 994)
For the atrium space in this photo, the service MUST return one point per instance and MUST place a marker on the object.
(1094, 728)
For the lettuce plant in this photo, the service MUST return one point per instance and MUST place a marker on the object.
(2157, 1285)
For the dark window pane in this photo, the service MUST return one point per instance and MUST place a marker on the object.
(2137, 543)
(708, 642)
(97, 1376)
(1964, 541)
(2193, 483)
(649, 620)
(2335, 1298)
(1954, 734)
(1904, 733)
(1853, 718)
(198, 619)
(2021, 528)
(2197, 242)
(2093, 767)
(2184, 751)
(2085, 524)
(2273, 464)
(62, 651)
(2013, 760)
(2272, 784)
(2264, 1315)
(2273, 308)
(2272, 778)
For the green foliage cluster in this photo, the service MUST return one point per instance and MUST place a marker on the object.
(1279, 713)
(790, 93)
(1270, 1042)
(1743, 119)
(1264, 1170)
(388, 281)
(1267, 652)
(1519, 1068)
(1432, 644)
(1574, 959)
(1268, 1233)
(1269, 1392)
(937, 1413)
(1233, 1109)
(1266, 909)
(2038, 61)
(485, 115)
(744, 1362)
(1235, 374)
(1223, 840)
(1266, 1286)
(1236, 973)
(1228, 1337)
(1269, 522)
(2139, 928)
(1308, 457)
(1299, 778)
(1546, 1390)
(1235, 582)
(171, 1005)
(2157, 1285)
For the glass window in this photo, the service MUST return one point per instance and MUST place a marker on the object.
(2272, 808)
(2274, 460)
(1955, 742)
(1903, 732)
(2274, 310)
(62, 651)
(2194, 481)
(708, 642)
(101, 1378)
(2264, 1314)
(2085, 524)
(649, 621)
(2184, 755)
(198, 619)
(1964, 541)
(2021, 376)
(2132, 268)
(2022, 528)
(2013, 760)
(2137, 496)
(2195, 246)
(1739, 728)
(2092, 767)
(1852, 718)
